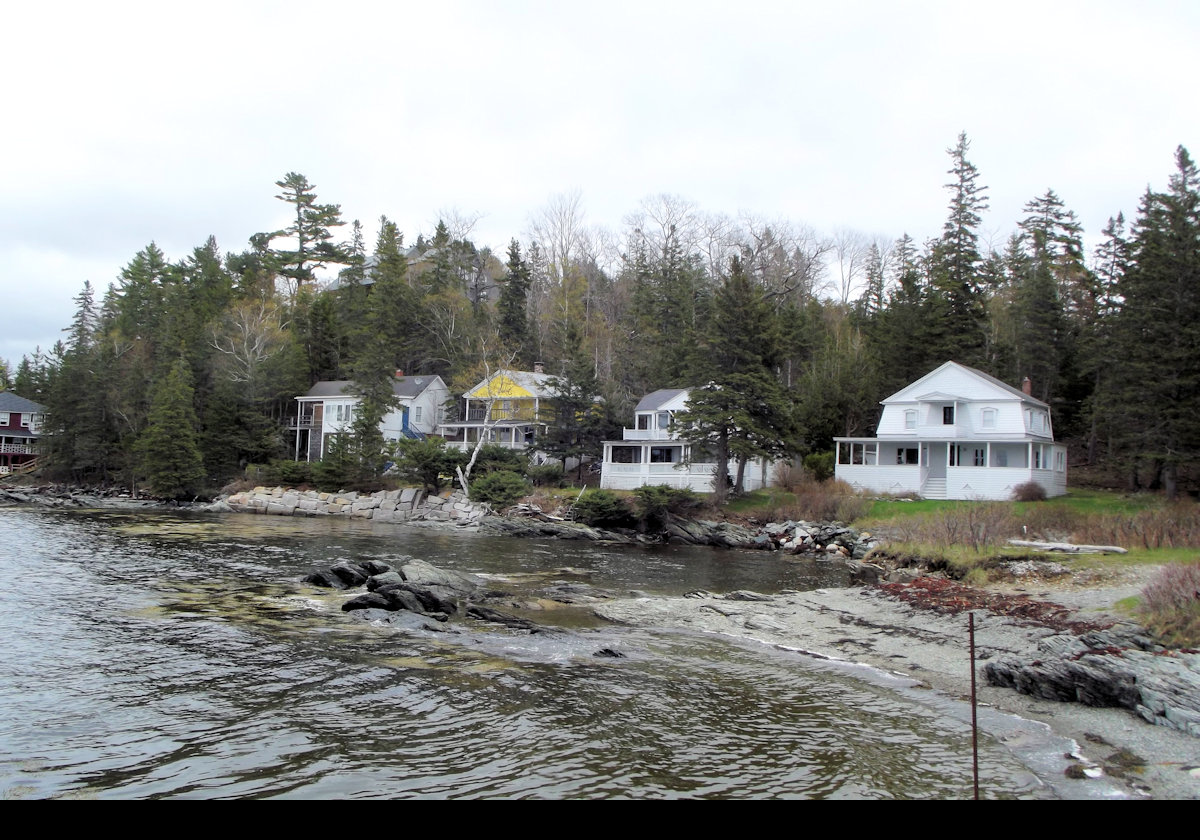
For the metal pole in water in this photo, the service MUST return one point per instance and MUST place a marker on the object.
(974, 719)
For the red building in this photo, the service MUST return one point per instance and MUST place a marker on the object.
(20, 424)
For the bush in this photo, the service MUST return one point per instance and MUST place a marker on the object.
(289, 473)
(496, 458)
(546, 475)
(653, 502)
(1171, 604)
(819, 465)
(500, 488)
(1030, 491)
(824, 501)
(426, 461)
(602, 507)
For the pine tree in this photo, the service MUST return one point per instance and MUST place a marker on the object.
(514, 306)
(168, 450)
(955, 299)
(1156, 400)
(309, 232)
(742, 411)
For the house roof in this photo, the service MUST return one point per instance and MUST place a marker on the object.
(513, 383)
(657, 399)
(402, 386)
(938, 395)
(10, 402)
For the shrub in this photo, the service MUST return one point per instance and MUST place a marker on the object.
(787, 476)
(1171, 604)
(289, 473)
(426, 461)
(825, 501)
(653, 502)
(496, 458)
(500, 488)
(1030, 491)
(545, 475)
(601, 507)
(819, 465)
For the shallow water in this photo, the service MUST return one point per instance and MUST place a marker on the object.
(163, 655)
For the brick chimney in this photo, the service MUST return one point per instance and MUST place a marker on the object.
(399, 374)
(1027, 386)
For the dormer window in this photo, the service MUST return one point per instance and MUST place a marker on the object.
(643, 422)
(948, 415)
(910, 419)
(989, 418)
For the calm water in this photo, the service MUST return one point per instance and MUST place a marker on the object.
(154, 655)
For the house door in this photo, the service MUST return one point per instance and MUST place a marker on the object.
(934, 455)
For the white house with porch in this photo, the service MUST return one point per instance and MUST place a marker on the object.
(653, 453)
(329, 406)
(957, 433)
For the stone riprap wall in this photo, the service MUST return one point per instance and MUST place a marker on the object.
(407, 505)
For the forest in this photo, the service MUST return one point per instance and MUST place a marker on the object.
(182, 372)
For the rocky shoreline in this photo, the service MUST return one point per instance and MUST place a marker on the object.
(873, 626)
(1050, 657)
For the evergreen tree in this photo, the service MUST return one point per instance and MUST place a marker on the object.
(581, 424)
(168, 450)
(742, 411)
(514, 306)
(1157, 337)
(955, 300)
(310, 232)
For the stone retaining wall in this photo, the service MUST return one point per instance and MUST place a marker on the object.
(407, 505)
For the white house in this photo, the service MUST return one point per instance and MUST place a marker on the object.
(653, 453)
(957, 433)
(328, 409)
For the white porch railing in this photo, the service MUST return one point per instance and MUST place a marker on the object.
(647, 434)
(16, 449)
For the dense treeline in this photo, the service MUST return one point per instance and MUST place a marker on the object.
(183, 372)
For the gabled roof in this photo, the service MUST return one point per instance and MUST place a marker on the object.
(516, 384)
(913, 389)
(405, 387)
(657, 399)
(12, 403)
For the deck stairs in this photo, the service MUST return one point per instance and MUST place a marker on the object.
(935, 488)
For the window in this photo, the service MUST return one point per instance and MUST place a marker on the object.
(955, 455)
(1060, 461)
(948, 415)
(864, 453)
(910, 419)
(664, 454)
(1000, 457)
(643, 421)
(664, 419)
(627, 454)
(1037, 457)
(906, 456)
(981, 457)
(989, 418)
(417, 414)
(4, 418)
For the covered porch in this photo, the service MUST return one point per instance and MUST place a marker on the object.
(950, 469)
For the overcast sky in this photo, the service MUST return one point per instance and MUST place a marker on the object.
(126, 123)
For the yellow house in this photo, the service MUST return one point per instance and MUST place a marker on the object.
(511, 408)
